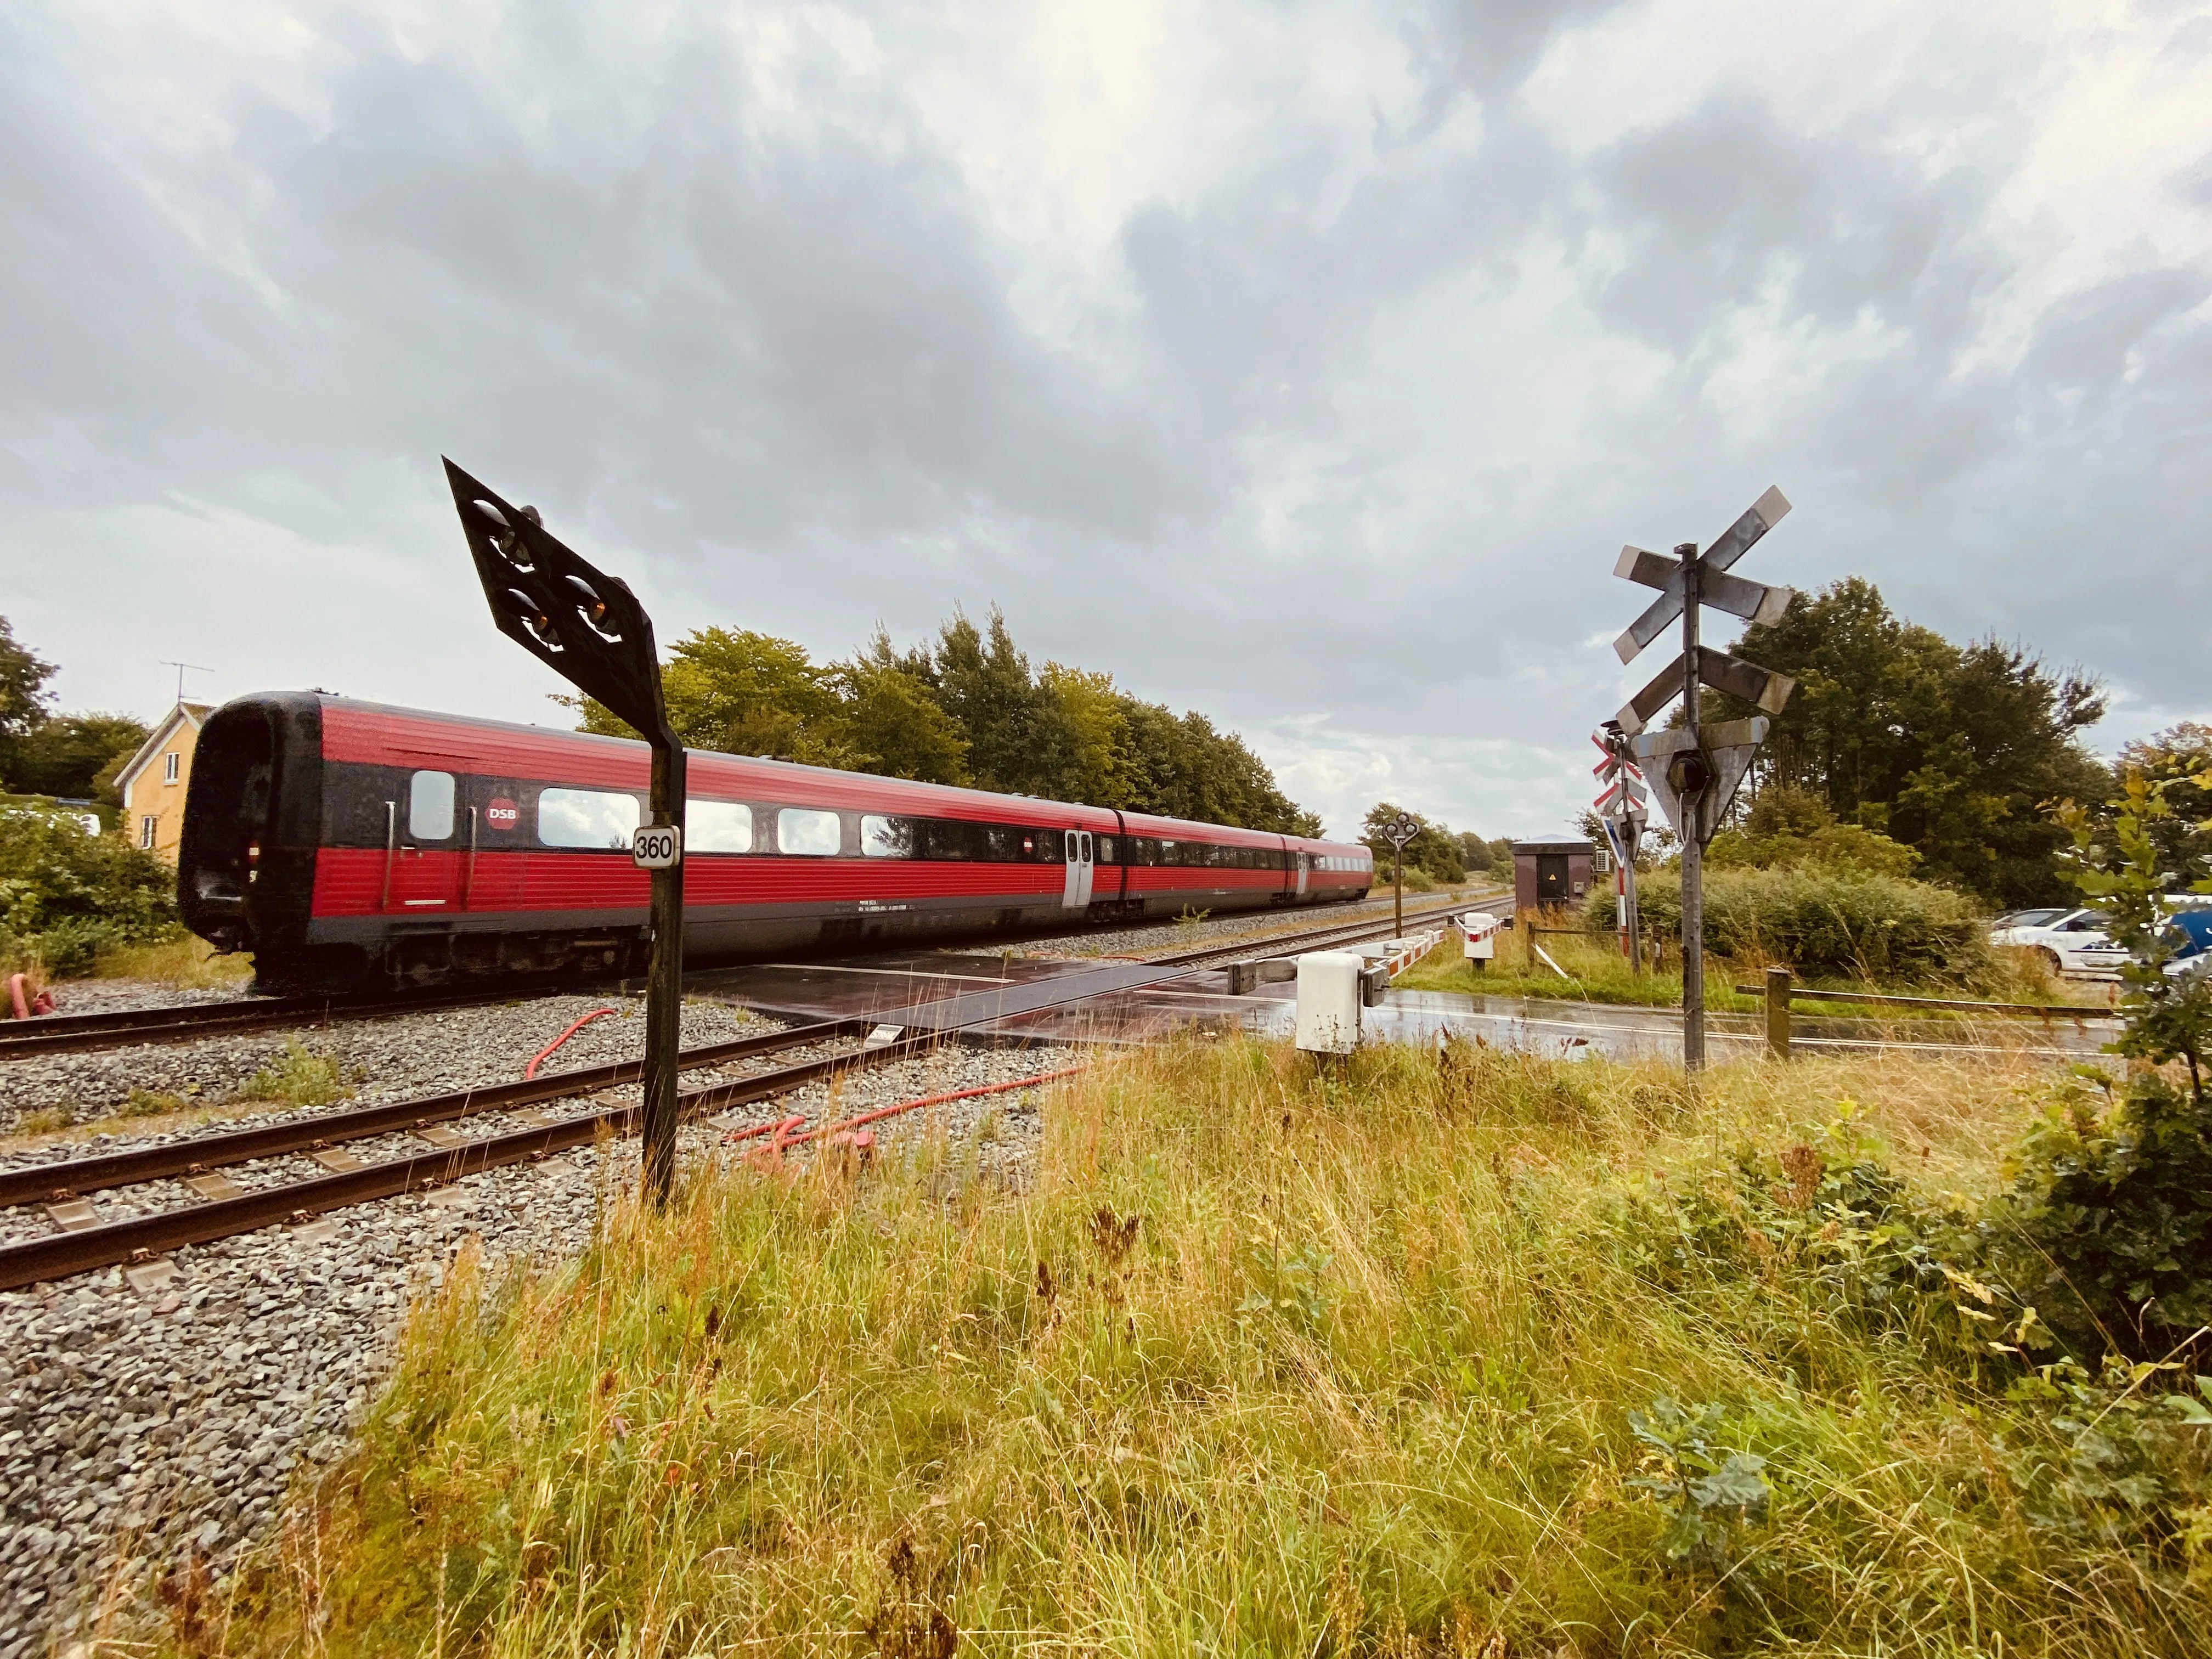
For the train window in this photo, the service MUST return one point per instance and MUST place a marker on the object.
(717, 826)
(597, 818)
(430, 806)
(887, 838)
(1105, 849)
(807, 831)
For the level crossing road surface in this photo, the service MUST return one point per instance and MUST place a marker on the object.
(1007, 998)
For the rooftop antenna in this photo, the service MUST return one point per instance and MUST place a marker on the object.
(180, 667)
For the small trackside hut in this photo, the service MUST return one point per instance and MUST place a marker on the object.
(1548, 873)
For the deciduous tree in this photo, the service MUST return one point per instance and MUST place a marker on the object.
(1956, 751)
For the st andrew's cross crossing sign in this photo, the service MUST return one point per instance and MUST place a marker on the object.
(1695, 770)
(1689, 769)
(1623, 808)
(1621, 782)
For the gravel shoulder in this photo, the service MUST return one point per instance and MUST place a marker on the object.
(114, 996)
(146, 1416)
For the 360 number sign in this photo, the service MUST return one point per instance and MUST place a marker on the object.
(656, 847)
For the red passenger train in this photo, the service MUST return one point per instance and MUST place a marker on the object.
(348, 845)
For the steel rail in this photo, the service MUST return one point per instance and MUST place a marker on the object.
(41, 1183)
(140, 1237)
(59, 1034)
(76, 1176)
(61, 1254)
(54, 1034)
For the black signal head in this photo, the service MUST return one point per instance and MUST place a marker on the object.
(585, 624)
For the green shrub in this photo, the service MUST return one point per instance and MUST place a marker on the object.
(1790, 826)
(1824, 923)
(2106, 1229)
(65, 897)
(2115, 1458)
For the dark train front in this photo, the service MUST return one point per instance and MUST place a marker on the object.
(350, 846)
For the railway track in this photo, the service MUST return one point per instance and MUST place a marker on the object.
(59, 1034)
(448, 1157)
(62, 1034)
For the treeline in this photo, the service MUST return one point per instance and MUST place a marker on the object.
(965, 709)
(43, 753)
(1957, 752)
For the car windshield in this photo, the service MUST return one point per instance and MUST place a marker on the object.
(2029, 918)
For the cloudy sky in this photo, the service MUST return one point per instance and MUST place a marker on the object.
(1305, 364)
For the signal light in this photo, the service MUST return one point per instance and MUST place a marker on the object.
(532, 616)
(1689, 772)
(506, 538)
(593, 607)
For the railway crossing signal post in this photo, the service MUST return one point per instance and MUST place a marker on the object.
(1693, 768)
(588, 628)
(1398, 831)
(1622, 806)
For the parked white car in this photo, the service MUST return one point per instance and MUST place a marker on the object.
(2188, 938)
(2068, 939)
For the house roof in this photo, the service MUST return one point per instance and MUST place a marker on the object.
(195, 714)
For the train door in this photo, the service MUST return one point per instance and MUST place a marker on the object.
(1075, 893)
(1305, 861)
(423, 847)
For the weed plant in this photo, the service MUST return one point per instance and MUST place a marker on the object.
(1468, 1353)
(185, 962)
(299, 1077)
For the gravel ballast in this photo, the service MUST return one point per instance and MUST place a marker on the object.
(403, 1054)
(144, 1415)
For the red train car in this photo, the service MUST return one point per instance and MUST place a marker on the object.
(351, 844)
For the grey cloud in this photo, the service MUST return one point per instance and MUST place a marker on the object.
(776, 354)
(763, 338)
(1489, 45)
(1725, 203)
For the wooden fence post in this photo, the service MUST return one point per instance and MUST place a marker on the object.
(1778, 1013)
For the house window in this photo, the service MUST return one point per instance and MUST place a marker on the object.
(169, 767)
(146, 833)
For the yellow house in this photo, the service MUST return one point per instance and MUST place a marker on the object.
(153, 785)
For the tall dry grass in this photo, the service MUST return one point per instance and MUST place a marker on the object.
(185, 962)
(1268, 1360)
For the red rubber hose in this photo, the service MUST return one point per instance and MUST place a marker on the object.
(538, 1059)
(781, 1129)
(882, 1112)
